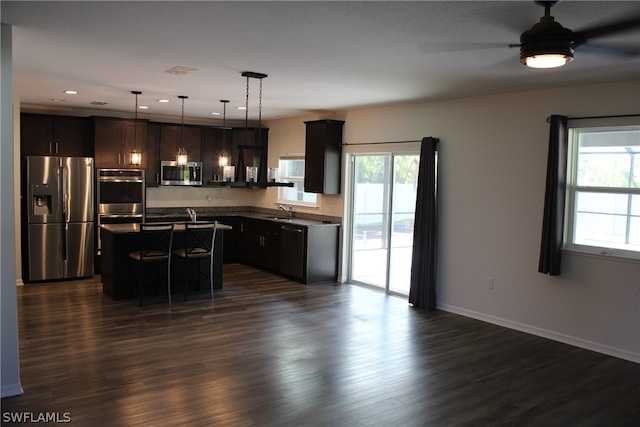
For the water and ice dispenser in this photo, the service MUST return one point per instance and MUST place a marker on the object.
(40, 199)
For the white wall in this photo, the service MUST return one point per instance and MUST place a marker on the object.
(9, 358)
(493, 153)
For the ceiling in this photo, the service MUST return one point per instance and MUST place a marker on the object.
(319, 56)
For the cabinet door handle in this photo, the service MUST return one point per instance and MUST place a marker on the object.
(295, 230)
(56, 148)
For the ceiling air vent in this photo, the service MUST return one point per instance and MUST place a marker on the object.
(99, 103)
(178, 69)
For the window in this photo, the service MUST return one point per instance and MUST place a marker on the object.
(292, 170)
(603, 190)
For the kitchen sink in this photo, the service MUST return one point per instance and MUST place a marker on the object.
(278, 218)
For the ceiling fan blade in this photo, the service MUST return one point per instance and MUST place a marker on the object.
(450, 47)
(613, 50)
(616, 27)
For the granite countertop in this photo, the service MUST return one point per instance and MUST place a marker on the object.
(135, 228)
(267, 215)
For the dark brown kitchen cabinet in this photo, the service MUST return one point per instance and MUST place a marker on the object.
(172, 137)
(263, 244)
(115, 138)
(249, 148)
(152, 170)
(309, 253)
(235, 246)
(214, 141)
(323, 156)
(46, 135)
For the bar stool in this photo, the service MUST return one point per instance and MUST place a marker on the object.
(198, 246)
(154, 246)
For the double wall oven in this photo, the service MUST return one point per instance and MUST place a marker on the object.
(121, 197)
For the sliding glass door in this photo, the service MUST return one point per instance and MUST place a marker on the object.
(383, 207)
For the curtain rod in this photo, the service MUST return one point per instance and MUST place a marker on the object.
(379, 143)
(599, 117)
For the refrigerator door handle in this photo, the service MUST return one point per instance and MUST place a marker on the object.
(65, 250)
(65, 247)
(65, 195)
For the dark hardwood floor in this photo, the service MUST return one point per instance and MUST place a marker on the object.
(271, 352)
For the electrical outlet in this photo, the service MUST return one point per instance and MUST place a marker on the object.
(490, 282)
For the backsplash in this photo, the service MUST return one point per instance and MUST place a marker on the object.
(196, 197)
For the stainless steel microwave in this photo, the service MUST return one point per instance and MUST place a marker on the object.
(174, 174)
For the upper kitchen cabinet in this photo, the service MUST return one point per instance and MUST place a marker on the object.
(323, 156)
(152, 171)
(170, 141)
(249, 148)
(45, 135)
(214, 141)
(114, 139)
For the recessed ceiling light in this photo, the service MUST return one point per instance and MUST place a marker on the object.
(71, 92)
(163, 100)
(241, 108)
(143, 107)
(57, 100)
(99, 103)
(215, 113)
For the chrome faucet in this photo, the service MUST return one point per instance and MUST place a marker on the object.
(289, 212)
(192, 214)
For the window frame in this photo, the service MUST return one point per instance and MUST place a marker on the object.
(572, 188)
(282, 190)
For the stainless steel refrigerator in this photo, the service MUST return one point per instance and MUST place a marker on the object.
(60, 217)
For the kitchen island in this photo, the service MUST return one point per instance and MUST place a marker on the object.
(118, 240)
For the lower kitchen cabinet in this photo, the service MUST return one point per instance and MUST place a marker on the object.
(321, 253)
(263, 246)
(308, 253)
(235, 241)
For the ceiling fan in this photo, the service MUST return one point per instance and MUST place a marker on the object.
(548, 44)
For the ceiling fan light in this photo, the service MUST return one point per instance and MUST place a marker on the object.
(548, 60)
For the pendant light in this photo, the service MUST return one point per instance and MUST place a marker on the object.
(223, 157)
(181, 155)
(136, 156)
(259, 76)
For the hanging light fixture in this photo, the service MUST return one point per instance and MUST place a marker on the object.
(223, 157)
(181, 155)
(136, 156)
(259, 76)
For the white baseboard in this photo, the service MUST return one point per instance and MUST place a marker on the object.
(545, 333)
(11, 390)
(19, 282)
